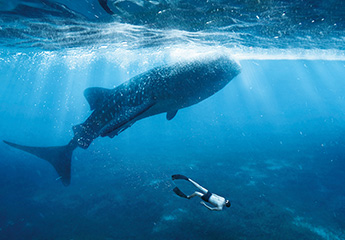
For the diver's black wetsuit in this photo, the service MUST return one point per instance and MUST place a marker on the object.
(206, 196)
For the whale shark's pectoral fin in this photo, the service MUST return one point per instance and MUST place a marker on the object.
(171, 115)
(96, 96)
(128, 116)
(121, 129)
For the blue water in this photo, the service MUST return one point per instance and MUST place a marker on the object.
(272, 141)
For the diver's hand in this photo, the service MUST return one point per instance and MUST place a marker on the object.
(209, 208)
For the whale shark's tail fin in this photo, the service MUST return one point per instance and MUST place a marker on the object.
(59, 157)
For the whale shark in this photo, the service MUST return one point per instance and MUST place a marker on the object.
(164, 89)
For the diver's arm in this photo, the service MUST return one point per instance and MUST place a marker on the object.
(210, 208)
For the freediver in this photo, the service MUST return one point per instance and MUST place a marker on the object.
(217, 201)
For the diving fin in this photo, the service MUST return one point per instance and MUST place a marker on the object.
(179, 192)
(104, 5)
(179, 176)
(59, 157)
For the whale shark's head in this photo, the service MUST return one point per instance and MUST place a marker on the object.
(220, 65)
(188, 82)
(224, 67)
(193, 81)
(216, 71)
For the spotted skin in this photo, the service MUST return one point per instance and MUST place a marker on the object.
(164, 89)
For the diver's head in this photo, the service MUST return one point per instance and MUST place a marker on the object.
(227, 203)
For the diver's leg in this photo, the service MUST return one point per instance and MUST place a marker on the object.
(204, 190)
(195, 194)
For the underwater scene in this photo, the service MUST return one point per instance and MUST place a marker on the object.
(113, 111)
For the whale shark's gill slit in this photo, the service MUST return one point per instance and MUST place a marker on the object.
(118, 125)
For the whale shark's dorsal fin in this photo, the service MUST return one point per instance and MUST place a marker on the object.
(96, 96)
(171, 115)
